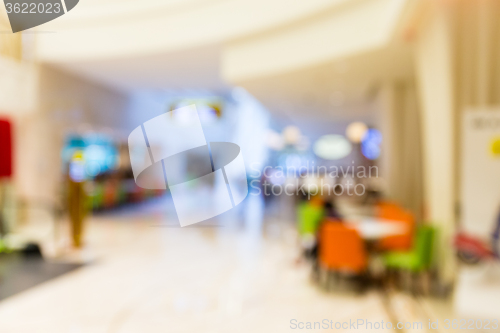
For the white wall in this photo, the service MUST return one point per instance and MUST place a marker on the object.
(64, 104)
(480, 174)
(244, 120)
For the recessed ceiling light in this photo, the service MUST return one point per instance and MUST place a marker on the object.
(332, 147)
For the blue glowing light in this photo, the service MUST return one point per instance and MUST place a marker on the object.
(370, 146)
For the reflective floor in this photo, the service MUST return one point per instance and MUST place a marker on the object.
(237, 273)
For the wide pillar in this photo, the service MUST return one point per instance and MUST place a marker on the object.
(401, 159)
(435, 79)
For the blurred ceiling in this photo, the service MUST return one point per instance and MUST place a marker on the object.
(304, 60)
(193, 69)
(342, 90)
(112, 29)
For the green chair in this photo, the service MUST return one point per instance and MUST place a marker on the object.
(309, 218)
(419, 258)
(122, 193)
(4, 248)
(97, 196)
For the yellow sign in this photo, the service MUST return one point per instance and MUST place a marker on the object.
(495, 147)
(77, 156)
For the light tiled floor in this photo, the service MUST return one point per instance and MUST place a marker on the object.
(147, 275)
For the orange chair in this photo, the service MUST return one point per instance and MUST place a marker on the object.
(392, 211)
(341, 249)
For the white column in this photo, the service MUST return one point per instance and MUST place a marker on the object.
(434, 69)
(401, 160)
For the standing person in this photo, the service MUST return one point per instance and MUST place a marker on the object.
(331, 210)
(496, 237)
(77, 197)
(309, 216)
(6, 168)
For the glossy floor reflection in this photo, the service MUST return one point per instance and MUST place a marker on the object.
(147, 275)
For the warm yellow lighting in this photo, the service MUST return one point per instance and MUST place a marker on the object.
(291, 135)
(356, 131)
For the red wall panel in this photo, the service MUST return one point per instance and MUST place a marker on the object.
(5, 148)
